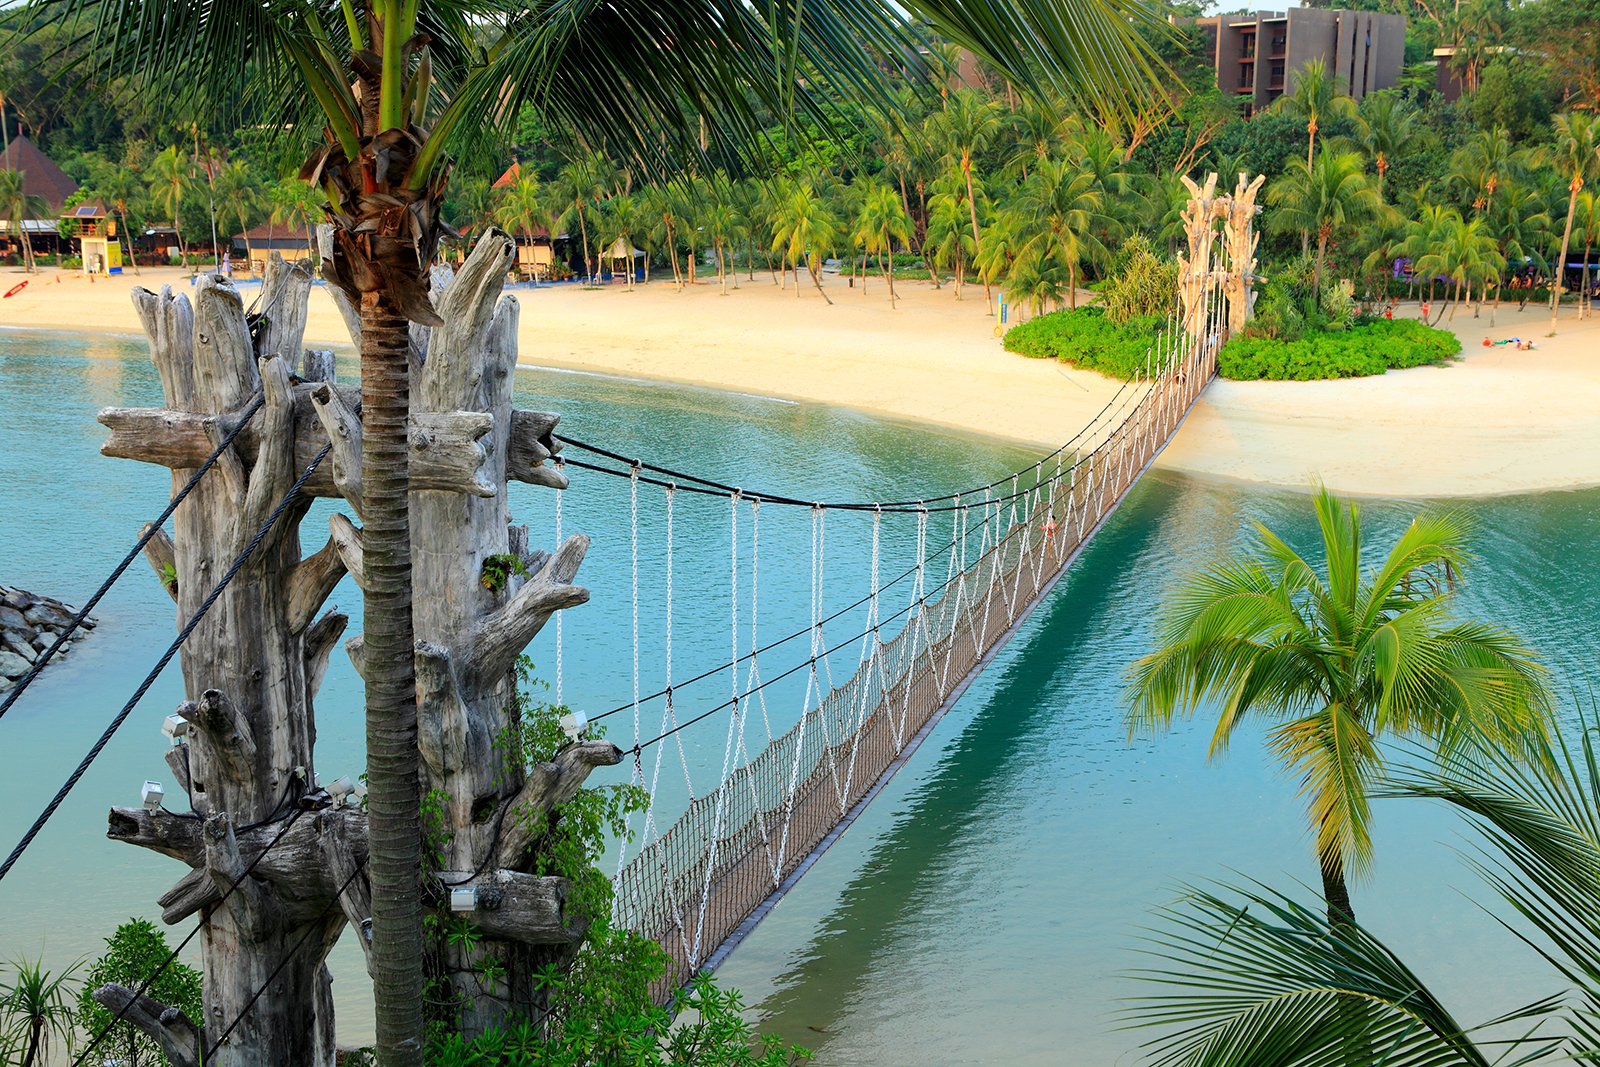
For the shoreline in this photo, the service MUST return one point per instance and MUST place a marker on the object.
(1497, 422)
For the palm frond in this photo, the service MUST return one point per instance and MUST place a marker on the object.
(1265, 982)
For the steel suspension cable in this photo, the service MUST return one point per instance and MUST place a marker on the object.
(161, 664)
(133, 553)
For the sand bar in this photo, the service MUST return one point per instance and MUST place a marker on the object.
(1500, 421)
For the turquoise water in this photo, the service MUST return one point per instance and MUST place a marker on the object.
(986, 905)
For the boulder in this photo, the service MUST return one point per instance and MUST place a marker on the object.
(50, 616)
(12, 618)
(12, 667)
(16, 642)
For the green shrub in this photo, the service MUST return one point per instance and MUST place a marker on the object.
(1141, 285)
(133, 952)
(1364, 349)
(1087, 338)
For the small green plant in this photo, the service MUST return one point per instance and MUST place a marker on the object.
(1089, 339)
(1142, 284)
(498, 569)
(169, 576)
(133, 952)
(35, 1012)
(1363, 349)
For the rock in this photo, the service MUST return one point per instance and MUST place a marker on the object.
(42, 642)
(16, 643)
(17, 599)
(48, 615)
(12, 618)
(12, 666)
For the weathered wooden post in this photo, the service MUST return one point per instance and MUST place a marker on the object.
(469, 636)
(1194, 268)
(251, 670)
(1238, 212)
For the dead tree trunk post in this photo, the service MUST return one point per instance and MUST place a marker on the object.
(1194, 268)
(1238, 212)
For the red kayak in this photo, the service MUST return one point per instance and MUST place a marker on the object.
(15, 289)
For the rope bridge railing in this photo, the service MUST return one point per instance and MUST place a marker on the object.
(694, 885)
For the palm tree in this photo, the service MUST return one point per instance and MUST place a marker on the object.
(118, 186)
(621, 221)
(804, 229)
(1521, 227)
(169, 187)
(1315, 95)
(294, 203)
(1463, 252)
(392, 84)
(578, 188)
(1286, 989)
(16, 207)
(1335, 661)
(1588, 227)
(1577, 154)
(237, 188)
(521, 209)
(36, 1010)
(1325, 199)
(948, 237)
(1063, 207)
(966, 127)
(881, 223)
(725, 227)
(1479, 167)
(1388, 127)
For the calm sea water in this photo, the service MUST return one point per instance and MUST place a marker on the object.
(986, 907)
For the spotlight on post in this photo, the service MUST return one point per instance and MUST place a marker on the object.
(573, 723)
(151, 796)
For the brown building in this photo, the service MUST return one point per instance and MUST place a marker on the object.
(1258, 55)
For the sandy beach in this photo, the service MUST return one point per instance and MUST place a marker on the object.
(1499, 421)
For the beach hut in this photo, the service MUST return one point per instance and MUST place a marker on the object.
(95, 230)
(255, 245)
(621, 257)
(41, 178)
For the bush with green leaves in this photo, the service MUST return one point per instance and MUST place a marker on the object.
(1141, 285)
(603, 1013)
(1364, 349)
(1087, 338)
(133, 952)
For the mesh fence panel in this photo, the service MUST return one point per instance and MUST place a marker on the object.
(691, 887)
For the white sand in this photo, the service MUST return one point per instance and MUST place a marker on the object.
(1501, 421)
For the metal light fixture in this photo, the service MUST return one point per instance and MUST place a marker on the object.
(573, 723)
(340, 788)
(464, 898)
(151, 796)
(176, 728)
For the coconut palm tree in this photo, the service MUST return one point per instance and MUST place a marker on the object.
(1577, 155)
(1062, 207)
(1327, 198)
(1316, 95)
(1387, 127)
(966, 127)
(16, 207)
(578, 188)
(1255, 979)
(1521, 228)
(621, 222)
(119, 186)
(236, 187)
(725, 228)
(521, 209)
(1587, 229)
(1482, 165)
(294, 203)
(170, 180)
(948, 237)
(1463, 252)
(392, 84)
(881, 223)
(1336, 660)
(805, 229)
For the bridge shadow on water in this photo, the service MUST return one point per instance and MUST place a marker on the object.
(1039, 698)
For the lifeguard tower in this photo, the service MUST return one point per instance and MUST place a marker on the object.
(94, 229)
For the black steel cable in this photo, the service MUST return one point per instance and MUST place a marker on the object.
(161, 664)
(173, 955)
(311, 927)
(723, 489)
(127, 560)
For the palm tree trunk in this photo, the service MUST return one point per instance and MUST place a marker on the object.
(864, 255)
(1316, 267)
(393, 793)
(1561, 263)
(1072, 284)
(977, 242)
(816, 278)
(1584, 302)
(583, 230)
(891, 276)
(133, 259)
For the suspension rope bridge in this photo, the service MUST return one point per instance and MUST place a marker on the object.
(700, 883)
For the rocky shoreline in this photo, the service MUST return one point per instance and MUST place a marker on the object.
(29, 624)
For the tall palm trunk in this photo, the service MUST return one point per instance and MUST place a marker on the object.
(977, 242)
(1561, 263)
(1584, 302)
(583, 230)
(1318, 264)
(394, 795)
(122, 220)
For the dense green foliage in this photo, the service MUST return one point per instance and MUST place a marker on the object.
(1364, 349)
(133, 952)
(1088, 339)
